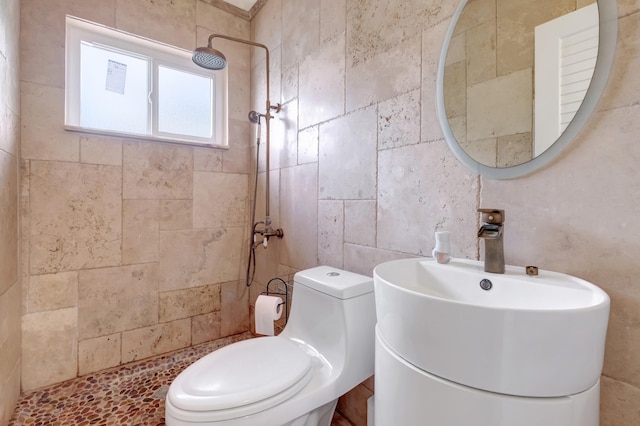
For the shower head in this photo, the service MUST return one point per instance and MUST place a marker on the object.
(209, 58)
(254, 117)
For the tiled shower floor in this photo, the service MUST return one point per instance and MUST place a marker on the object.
(132, 394)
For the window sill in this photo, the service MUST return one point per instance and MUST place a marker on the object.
(150, 138)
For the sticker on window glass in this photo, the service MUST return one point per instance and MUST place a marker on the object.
(116, 76)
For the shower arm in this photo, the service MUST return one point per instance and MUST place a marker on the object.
(267, 115)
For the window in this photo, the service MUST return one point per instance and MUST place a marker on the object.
(120, 84)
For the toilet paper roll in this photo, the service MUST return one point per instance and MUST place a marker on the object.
(268, 309)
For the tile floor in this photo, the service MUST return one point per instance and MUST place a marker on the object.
(132, 394)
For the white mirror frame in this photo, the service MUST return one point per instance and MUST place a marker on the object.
(608, 29)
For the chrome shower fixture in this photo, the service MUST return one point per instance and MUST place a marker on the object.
(210, 58)
(254, 117)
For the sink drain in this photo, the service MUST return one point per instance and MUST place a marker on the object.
(486, 284)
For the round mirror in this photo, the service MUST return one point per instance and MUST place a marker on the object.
(518, 79)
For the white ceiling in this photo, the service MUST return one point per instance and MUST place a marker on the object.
(242, 4)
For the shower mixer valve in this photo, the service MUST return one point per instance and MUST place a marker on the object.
(266, 232)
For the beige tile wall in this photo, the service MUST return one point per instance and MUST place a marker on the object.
(130, 248)
(373, 178)
(10, 279)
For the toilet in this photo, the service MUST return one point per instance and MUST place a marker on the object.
(295, 378)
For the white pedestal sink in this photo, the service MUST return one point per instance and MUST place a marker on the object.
(539, 337)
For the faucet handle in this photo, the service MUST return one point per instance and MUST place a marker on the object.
(492, 215)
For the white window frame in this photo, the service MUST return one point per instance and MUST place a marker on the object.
(159, 54)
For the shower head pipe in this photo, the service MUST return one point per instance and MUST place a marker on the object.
(267, 114)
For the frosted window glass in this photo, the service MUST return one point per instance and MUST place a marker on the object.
(114, 90)
(184, 103)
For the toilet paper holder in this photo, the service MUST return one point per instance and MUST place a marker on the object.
(279, 292)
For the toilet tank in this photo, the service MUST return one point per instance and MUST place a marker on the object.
(334, 312)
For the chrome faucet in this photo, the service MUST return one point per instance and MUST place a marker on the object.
(491, 232)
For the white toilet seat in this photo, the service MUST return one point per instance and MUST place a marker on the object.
(242, 379)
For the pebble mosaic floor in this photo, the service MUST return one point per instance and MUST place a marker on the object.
(132, 394)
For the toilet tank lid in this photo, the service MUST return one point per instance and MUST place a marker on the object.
(335, 282)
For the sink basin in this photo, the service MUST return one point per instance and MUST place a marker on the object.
(537, 336)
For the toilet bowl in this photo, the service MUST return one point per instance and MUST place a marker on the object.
(295, 378)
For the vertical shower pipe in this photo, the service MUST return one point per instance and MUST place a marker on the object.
(267, 232)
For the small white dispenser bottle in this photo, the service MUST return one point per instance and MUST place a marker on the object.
(441, 251)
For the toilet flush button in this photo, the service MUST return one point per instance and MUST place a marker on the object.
(333, 274)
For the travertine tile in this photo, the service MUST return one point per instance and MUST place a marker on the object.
(484, 151)
(384, 76)
(301, 34)
(516, 30)
(9, 127)
(239, 93)
(360, 222)
(458, 127)
(475, 13)
(620, 360)
(221, 22)
(99, 353)
(455, 90)
(154, 170)
(514, 149)
(322, 82)
(141, 18)
(397, 120)
(618, 403)
(289, 83)
(236, 158)
(622, 88)
(12, 392)
(219, 199)
(259, 79)
(274, 198)
(207, 159)
(42, 35)
(363, 260)
(234, 311)
(333, 18)
(10, 338)
(117, 299)
(157, 339)
(626, 7)
(351, 142)
(308, 145)
(176, 214)
(481, 53)
(9, 223)
(284, 137)
(378, 26)
(298, 187)
(457, 49)
(431, 48)
(54, 333)
(43, 135)
(437, 193)
(140, 231)
(52, 291)
(205, 328)
(501, 106)
(192, 258)
(100, 150)
(189, 302)
(330, 232)
(79, 227)
(266, 26)
(516, 35)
